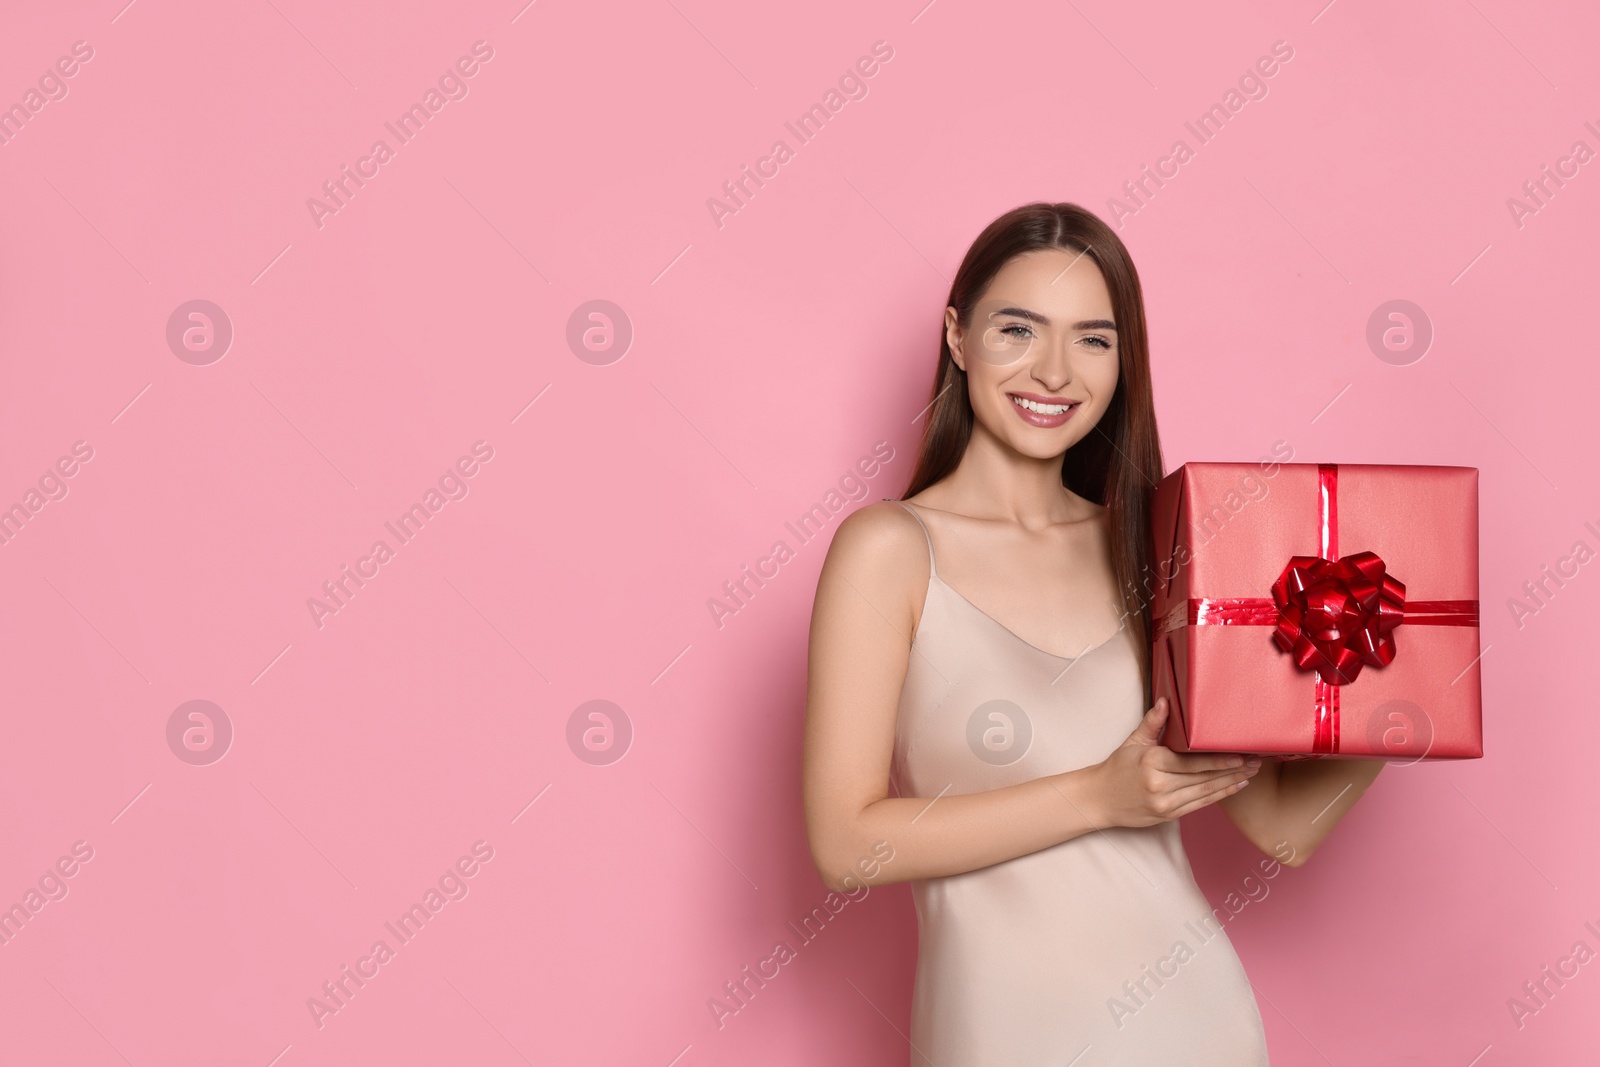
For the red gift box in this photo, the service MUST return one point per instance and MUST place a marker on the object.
(1318, 610)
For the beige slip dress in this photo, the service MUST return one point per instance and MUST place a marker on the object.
(1100, 950)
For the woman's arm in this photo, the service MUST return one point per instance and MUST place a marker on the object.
(861, 629)
(1299, 802)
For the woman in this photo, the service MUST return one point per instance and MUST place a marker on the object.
(982, 647)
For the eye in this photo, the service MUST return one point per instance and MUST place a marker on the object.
(1099, 342)
(1025, 331)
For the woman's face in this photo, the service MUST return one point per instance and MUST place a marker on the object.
(1040, 351)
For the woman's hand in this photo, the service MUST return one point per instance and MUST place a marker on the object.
(1143, 782)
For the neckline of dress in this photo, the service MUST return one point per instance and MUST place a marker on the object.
(1008, 630)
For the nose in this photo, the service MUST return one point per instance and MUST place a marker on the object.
(1053, 367)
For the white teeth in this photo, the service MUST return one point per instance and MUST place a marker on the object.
(1041, 409)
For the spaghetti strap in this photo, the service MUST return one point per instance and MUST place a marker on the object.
(932, 570)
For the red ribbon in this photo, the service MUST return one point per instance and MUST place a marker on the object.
(1332, 615)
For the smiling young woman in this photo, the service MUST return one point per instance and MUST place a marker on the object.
(981, 647)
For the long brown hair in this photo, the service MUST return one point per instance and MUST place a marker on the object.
(1119, 463)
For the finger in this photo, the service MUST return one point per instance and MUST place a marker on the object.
(1178, 790)
(1229, 780)
(1173, 782)
(1165, 759)
(1148, 732)
(1197, 762)
(1195, 797)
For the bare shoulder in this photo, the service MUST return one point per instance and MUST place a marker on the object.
(881, 538)
(876, 571)
(878, 559)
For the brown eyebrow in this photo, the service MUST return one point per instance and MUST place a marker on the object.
(1034, 316)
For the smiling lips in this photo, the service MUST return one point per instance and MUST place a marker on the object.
(1044, 411)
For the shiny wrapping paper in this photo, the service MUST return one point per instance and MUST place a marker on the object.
(1224, 533)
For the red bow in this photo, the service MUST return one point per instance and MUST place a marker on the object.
(1336, 616)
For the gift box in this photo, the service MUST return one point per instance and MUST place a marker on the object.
(1318, 610)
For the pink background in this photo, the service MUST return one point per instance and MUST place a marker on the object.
(769, 355)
